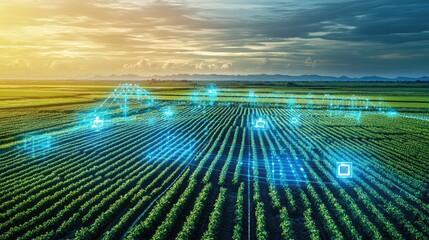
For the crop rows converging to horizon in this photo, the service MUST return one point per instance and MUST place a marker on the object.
(207, 174)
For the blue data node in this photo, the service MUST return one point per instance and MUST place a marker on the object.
(295, 120)
(344, 170)
(97, 123)
(260, 123)
(212, 91)
(169, 113)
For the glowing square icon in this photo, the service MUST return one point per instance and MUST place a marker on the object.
(97, 123)
(260, 123)
(344, 169)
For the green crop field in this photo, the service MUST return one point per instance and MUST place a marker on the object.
(206, 172)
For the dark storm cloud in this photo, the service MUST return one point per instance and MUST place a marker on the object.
(354, 37)
(379, 21)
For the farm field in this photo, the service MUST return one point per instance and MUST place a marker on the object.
(205, 171)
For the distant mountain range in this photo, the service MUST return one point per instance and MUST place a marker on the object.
(258, 77)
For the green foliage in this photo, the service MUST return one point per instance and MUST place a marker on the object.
(239, 214)
(193, 218)
(97, 185)
(215, 216)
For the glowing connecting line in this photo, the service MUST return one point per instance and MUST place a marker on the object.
(287, 170)
(356, 107)
(252, 98)
(344, 169)
(291, 103)
(422, 118)
(260, 124)
(127, 98)
(212, 93)
(97, 123)
(310, 100)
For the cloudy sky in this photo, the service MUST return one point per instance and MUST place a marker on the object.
(80, 38)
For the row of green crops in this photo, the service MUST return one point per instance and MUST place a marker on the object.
(104, 184)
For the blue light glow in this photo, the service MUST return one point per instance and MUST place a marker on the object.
(252, 98)
(310, 100)
(344, 170)
(126, 98)
(291, 102)
(356, 107)
(194, 98)
(287, 170)
(212, 93)
(168, 113)
(260, 123)
(37, 145)
(392, 113)
(295, 120)
(97, 123)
